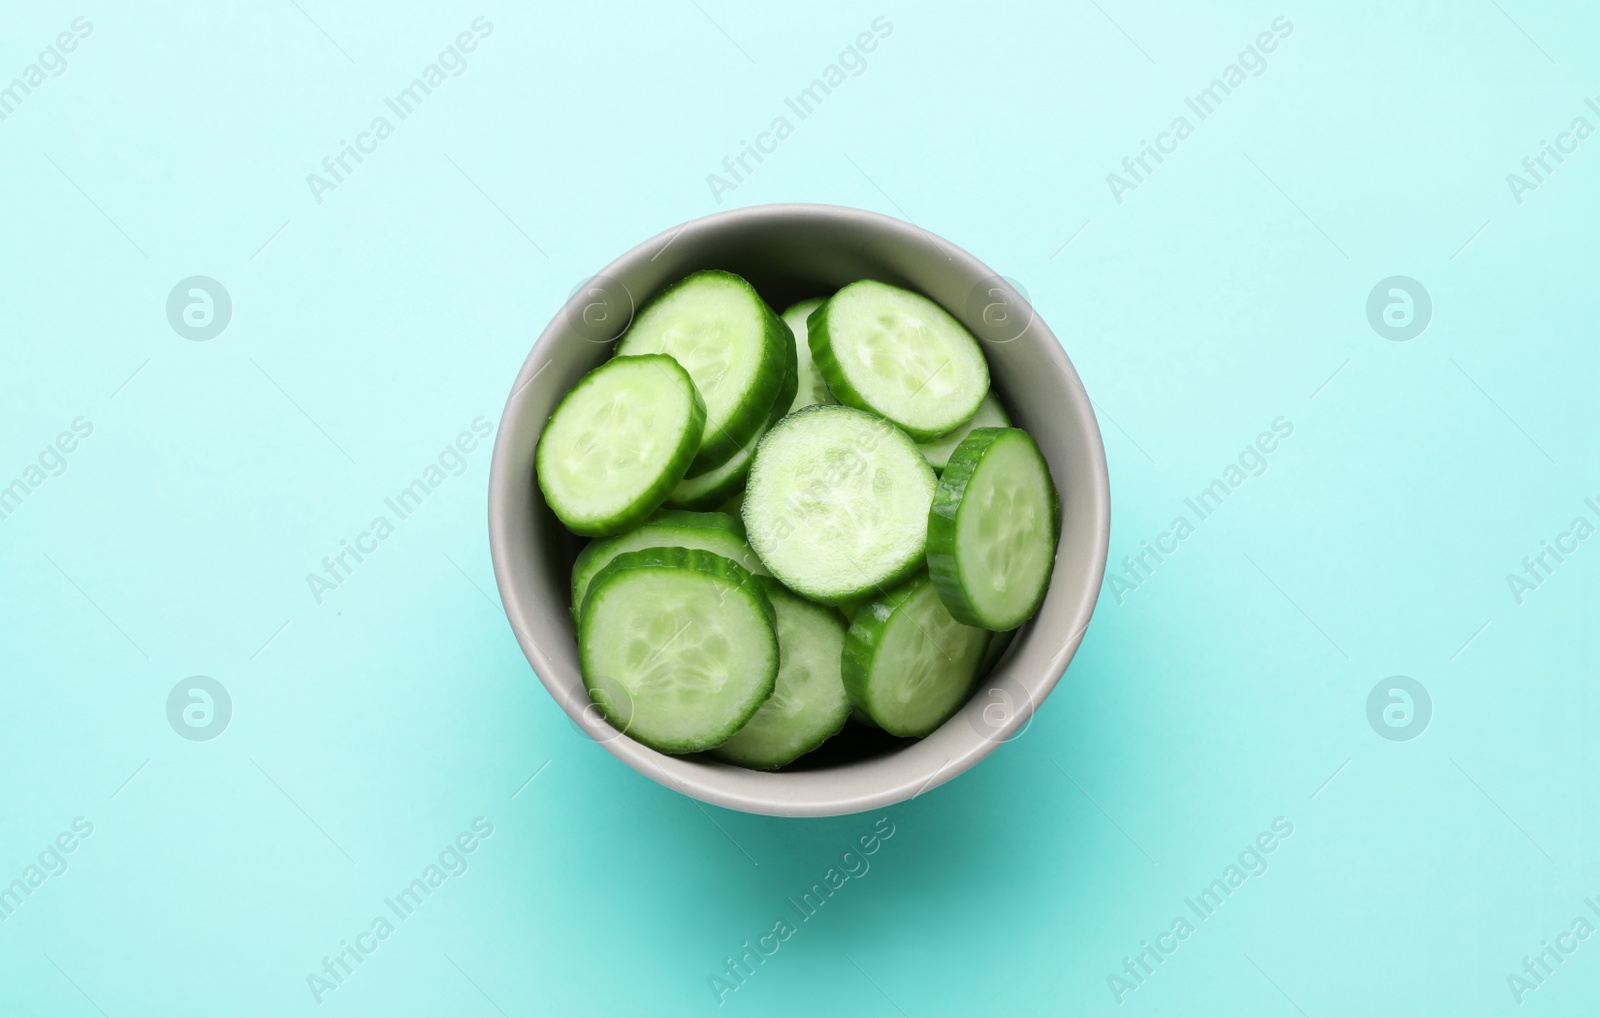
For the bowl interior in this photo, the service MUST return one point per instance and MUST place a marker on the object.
(791, 252)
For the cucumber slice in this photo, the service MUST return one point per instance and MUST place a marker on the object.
(677, 647)
(808, 704)
(732, 345)
(992, 529)
(900, 356)
(711, 488)
(837, 503)
(811, 390)
(716, 486)
(990, 415)
(907, 664)
(618, 443)
(718, 533)
(999, 643)
(789, 389)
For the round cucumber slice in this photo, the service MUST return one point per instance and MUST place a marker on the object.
(808, 705)
(811, 389)
(714, 532)
(837, 503)
(992, 529)
(789, 388)
(990, 415)
(898, 355)
(618, 443)
(711, 488)
(733, 346)
(907, 664)
(677, 647)
(999, 643)
(714, 487)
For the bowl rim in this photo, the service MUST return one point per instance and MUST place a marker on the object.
(707, 782)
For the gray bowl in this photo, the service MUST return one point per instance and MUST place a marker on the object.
(791, 252)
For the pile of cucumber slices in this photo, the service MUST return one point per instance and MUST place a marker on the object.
(797, 519)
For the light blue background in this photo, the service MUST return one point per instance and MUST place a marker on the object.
(1227, 290)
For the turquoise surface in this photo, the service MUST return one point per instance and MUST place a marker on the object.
(372, 765)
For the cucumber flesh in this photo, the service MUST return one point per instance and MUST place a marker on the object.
(992, 529)
(837, 503)
(808, 704)
(618, 443)
(907, 664)
(714, 532)
(990, 415)
(677, 647)
(733, 346)
(811, 389)
(899, 355)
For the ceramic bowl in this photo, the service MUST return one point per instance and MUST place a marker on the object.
(790, 252)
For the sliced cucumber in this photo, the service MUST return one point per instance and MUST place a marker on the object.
(808, 705)
(715, 486)
(990, 415)
(898, 355)
(711, 488)
(907, 664)
(999, 643)
(677, 647)
(992, 529)
(811, 389)
(618, 443)
(714, 532)
(789, 388)
(837, 503)
(733, 346)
